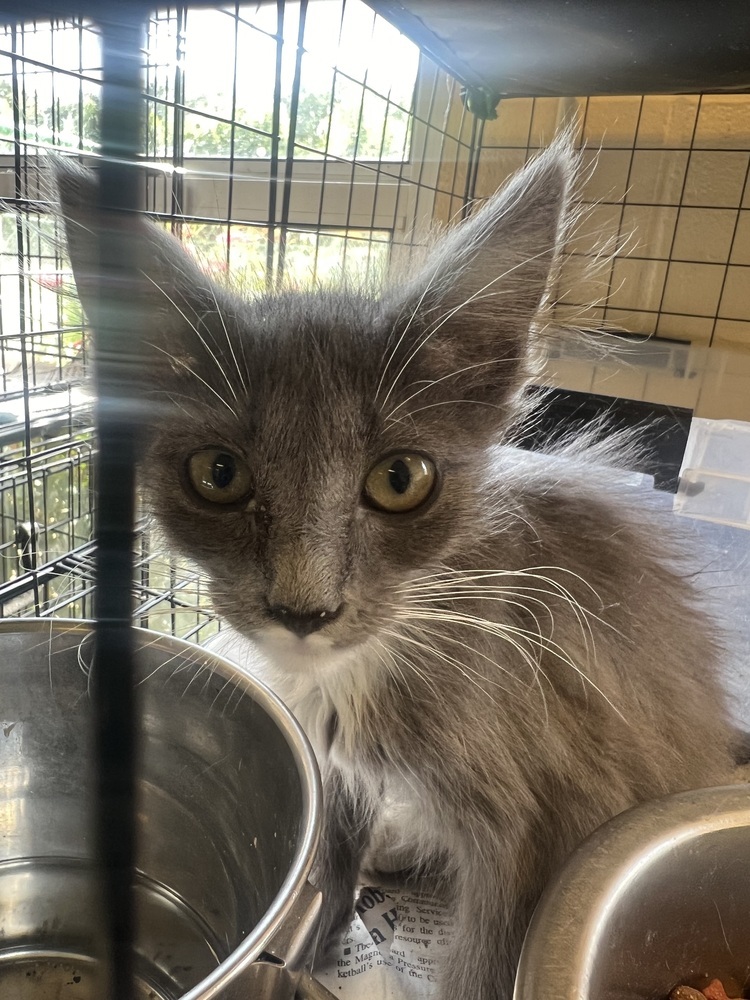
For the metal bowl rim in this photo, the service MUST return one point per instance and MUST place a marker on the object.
(283, 903)
(568, 916)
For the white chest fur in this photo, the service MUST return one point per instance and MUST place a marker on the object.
(406, 827)
(317, 682)
(314, 680)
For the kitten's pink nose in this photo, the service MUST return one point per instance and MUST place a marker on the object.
(305, 622)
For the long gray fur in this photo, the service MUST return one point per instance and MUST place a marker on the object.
(516, 661)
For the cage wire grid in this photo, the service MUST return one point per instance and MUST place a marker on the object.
(287, 142)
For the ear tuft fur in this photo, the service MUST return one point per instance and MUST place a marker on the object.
(466, 319)
(77, 188)
(170, 293)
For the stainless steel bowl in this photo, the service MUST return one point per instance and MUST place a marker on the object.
(658, 896)
(228, 822)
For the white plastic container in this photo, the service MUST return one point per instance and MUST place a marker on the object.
(715, 475)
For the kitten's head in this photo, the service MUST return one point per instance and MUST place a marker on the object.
(314, 451)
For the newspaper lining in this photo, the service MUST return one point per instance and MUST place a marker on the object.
(392, 950)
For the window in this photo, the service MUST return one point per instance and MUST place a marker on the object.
(287, 142)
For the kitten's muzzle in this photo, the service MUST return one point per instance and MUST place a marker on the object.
(303, 623)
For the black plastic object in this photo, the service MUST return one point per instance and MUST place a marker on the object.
(103, 11)
(521, 48)
(662, 431)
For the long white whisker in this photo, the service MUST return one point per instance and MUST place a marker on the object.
(410, 775)
(528, 571)
(531, 661)
(187, 368)
(456, 583)
(399, 662)
(503, 630)
(220, 314)
(436, 584)
(478, 294)
(463, 668)
(458, 371)
(398, 343)
(449, 402)
(196, 331)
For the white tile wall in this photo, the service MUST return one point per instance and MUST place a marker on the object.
(673, 172)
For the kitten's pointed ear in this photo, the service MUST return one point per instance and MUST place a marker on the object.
(171, 293)
(470, 310)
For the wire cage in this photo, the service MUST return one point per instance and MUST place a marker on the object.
(287, 142)
(283, 143)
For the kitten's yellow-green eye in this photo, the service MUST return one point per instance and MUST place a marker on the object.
(218, 476)
(400, 483)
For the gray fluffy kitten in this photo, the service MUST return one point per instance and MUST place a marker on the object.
(503, 648)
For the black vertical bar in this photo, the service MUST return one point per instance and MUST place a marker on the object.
(177, 181)
(232, 138)
(380, 172)
(326, 154)
(623, 203)
(273, 176)
(355, 152)
(116, 370)
(19, 135)
(418, 185)
(730, 252)
(471, 165)
(286, 196)
(459, 144)
(80, 82)
(680, 204)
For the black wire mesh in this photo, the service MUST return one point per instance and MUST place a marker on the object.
(287, 142)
